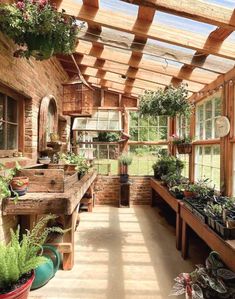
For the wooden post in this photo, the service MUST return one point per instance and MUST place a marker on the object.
(192, 155)
(185, 242)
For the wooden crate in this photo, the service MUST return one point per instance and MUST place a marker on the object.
(49, 180)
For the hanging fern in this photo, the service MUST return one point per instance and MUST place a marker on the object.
(170, 102)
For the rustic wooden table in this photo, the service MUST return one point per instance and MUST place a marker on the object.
(174, 203)
(65, 205)
(226, 248)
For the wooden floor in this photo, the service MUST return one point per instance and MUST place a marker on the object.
(122, 254)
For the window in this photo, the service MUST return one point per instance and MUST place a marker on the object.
(183, 129)
(207, 164)
(9, 124)
(182, 126)
(206, 115)
(144, 156)
(148, 128)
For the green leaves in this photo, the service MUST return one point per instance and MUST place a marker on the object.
(170, 102)
(40, 27)
(20, 257)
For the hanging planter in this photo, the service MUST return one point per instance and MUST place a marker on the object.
(170, 102)
(38, 29)
(183, 144)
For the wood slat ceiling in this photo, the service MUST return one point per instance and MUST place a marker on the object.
(110, 59)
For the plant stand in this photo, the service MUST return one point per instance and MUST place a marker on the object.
(124, 200)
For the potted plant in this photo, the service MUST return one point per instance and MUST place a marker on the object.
(21, 257)
(73, 162)
(124, 161)
(11, 184)
(167, 164)
(171, 102)
(38, 28)
(183, 144)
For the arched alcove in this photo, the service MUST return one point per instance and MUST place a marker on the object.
(48, 121)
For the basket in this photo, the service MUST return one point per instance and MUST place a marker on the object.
(184, 148)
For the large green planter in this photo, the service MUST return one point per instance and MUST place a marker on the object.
(47, 270)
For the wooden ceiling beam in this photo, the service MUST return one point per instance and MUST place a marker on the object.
(143, 79)
(118, 40)
(95, 4)
(141, 28)
(193, 9)
(108, 54)
(120, 87)
(219, 34)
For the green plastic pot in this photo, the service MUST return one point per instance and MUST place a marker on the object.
(47, 270)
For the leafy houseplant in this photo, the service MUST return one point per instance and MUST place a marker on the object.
(124, 161)
(183, 144)
(166, 165)
(38, 28)
(213, 280)
(20, 257)
(170, 102)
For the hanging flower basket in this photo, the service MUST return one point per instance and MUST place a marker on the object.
(38, 29)
(184, 148)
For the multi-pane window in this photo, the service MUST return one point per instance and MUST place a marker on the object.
(182, 126)
(206, 115)
(144, 156)
(8, 123)
(207, 164)
(182, 130)
(148, 128)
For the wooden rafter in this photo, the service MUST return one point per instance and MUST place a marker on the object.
(193, 9)
(95, 4)
(95, 69)
(108, 54)
(220, 34)
(118, 86)
(118, 40)
(163, 33)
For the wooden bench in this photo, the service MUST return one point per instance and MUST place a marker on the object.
(226, 249)
(65, 205)
(174, 203)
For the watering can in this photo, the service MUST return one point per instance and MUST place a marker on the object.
(46, 271)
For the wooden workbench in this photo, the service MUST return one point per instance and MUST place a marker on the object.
(174, 203)
(64, 205)
(226, 248)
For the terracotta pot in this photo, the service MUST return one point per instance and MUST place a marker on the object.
(189, 194)
(19, 184)
(184, 148)
(20, 293)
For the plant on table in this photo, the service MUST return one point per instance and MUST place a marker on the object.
(167, 164)
(21, 256)
(38, 28)
(80, 163)
(124, 160)
(6, 178)
(170, 102)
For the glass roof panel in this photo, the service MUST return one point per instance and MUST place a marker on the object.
(226, 3)
(118, 6)
(162, 18)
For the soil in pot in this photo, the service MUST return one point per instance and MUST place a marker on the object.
(20, 289)
(19, 185)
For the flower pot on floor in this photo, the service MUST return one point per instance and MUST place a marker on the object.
(21, 292)
(19, 185)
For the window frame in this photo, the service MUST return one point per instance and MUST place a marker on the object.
(7, 92)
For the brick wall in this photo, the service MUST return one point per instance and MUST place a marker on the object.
(34, 80)
(107, 190)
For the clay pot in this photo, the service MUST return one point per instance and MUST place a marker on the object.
(20, 184)
(189, 194)
(20, 293)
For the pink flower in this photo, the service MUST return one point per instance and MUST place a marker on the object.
(20, 5)
(42, 3)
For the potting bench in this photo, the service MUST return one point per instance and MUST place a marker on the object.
(174, 203)
(65, 205)
(226, 248)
